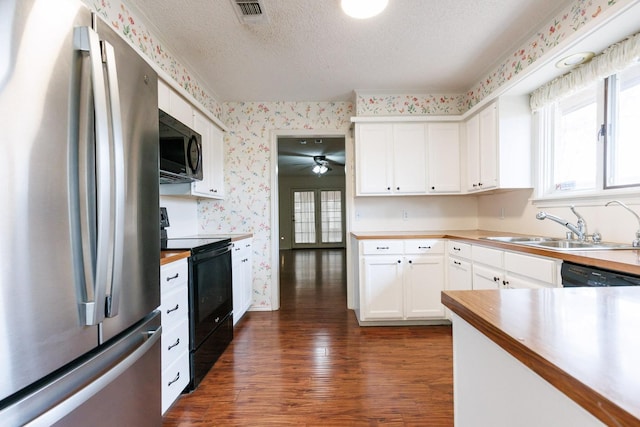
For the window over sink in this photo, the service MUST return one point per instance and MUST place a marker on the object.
(589, 139)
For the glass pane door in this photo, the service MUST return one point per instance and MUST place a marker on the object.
(304, 217)
(318, 218)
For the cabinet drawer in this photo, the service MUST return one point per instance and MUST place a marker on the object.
(381, 247)
(487, 256)
(459, 249)
(542, 269)
(174, 275)
(175, 341)
(174, 379)
(174, 306)
(423, 246)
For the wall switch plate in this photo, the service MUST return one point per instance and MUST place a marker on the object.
(405, 215)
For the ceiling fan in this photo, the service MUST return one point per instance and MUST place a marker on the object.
(296, 158)
(322, 165)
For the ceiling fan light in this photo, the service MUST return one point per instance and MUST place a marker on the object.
(363, 9)
(323, 169)
(316, 169)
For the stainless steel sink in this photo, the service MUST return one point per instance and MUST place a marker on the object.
(519, 239)
(574, 245)
(556, 244)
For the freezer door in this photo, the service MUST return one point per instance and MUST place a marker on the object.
(40, 293)
(136, 279)
(117, 386)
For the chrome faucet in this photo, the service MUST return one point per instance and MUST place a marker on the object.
(636, 241)
(580, 229)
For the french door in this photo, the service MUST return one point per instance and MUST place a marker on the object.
(318, 218)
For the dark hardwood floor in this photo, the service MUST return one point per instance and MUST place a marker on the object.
(310, 364)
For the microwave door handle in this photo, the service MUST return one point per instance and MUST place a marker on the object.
(93, 235)
(116, 236)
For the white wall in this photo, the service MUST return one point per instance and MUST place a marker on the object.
(614, 223)
(424, 213)
(183, 215)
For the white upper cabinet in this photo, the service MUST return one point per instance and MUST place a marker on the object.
(212, 184)
(499, 146)
(444, 157)
(391, 159)
(373, 158)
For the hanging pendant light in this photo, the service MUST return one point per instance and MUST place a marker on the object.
(363, 9)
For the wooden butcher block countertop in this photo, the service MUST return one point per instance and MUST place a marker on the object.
(584, 341)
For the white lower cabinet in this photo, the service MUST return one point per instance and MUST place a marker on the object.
(401, 280)
(241, 260)
(459, 274)
(175, 330)
(498, 269)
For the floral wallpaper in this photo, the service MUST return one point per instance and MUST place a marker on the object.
(120, 17)
(410, 104)
(572, 19)
(247, 206)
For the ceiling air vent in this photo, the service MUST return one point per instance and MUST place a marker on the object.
(250, 11)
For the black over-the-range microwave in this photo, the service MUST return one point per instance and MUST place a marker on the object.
(180, 151)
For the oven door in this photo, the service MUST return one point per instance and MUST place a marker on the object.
(210, 292)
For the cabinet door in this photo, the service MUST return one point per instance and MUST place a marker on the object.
(242, 277)
(459, 272)
(444, 157)
(211, 185)
(519, 282)
(423, 283)
(373, 158)
(216, 163)
(202, 125)
(409, 158)
(473, 153)
(489, 147)
(486, 277)
(382, 288)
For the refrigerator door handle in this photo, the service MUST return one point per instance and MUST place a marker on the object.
(70, 404)
(92, 310)
(119, 193)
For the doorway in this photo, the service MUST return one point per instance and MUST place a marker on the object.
(293, 157)
(311, 205)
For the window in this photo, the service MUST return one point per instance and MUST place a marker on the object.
(623, 138)
(591, 139)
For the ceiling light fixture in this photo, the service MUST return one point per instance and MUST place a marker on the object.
(321, 165)
(363, 9)
(575, 60)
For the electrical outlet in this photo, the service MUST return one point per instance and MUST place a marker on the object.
(357, 215)
(405, 215)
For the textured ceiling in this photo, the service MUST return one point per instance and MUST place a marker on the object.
(310, 51)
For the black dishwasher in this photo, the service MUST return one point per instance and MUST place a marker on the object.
(576, 275)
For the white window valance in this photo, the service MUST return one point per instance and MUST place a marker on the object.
(613, 59)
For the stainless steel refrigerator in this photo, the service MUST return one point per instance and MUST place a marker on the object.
(79, 229)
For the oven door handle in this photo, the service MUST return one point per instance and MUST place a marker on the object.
(205, 255)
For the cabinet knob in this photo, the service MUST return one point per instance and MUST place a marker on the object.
(457, 262)
(397, 188)
(399, 261)
(433, 188)
(410, 262)
(424, 247)
(456, 249)
(479, 184)
(475, 185)
(504, 282)
(211, 190)
(496, 279)
(388, 188)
